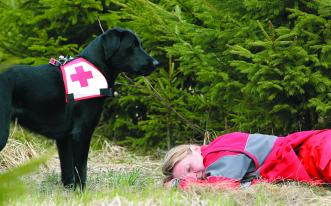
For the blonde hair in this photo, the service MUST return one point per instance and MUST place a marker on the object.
(172, 157)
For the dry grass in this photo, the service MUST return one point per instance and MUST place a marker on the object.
(116, 158)
(20, 148)
(118, 177)
(16, 152)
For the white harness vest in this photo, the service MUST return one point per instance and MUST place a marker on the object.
(82, 79)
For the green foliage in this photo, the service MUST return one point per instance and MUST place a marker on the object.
(36, 30)
(258, 72)
(287, 74)
(11, 184)
(255, 65)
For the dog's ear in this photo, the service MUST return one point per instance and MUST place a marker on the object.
(111, 40)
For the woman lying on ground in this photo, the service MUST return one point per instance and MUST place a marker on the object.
(239, 159)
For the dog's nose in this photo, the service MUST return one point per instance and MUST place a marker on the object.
(156, 63)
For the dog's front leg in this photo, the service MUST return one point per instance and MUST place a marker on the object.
(80, 153)
(85, 118)
(67, 161)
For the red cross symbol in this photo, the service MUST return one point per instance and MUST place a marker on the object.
(81, 76)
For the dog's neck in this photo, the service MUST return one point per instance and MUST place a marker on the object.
(89, 53)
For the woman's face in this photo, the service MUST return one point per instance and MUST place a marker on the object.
(191, 166)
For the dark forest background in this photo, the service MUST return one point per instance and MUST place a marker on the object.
(231, 65)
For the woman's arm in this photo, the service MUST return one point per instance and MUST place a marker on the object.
(212, 182)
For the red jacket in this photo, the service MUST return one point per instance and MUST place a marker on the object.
(240, 159)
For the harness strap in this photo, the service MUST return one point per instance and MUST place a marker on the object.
(107, 92)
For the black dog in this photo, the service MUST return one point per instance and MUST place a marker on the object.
(35, 97)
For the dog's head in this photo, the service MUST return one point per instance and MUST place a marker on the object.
(124, 53)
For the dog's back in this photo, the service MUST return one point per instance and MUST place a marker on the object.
(33, 95)
(5, 106)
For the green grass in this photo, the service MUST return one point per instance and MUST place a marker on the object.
(136, 188)
(119, 177)
(118, 188)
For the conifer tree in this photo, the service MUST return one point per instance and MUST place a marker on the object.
(249, 70)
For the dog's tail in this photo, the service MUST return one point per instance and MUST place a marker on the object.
(5, 109)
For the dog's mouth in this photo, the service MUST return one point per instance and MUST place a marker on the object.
(146, 72)
(151, 67)
(141, 69)
(147, 69)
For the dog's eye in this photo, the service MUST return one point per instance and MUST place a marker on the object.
(133, 46)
